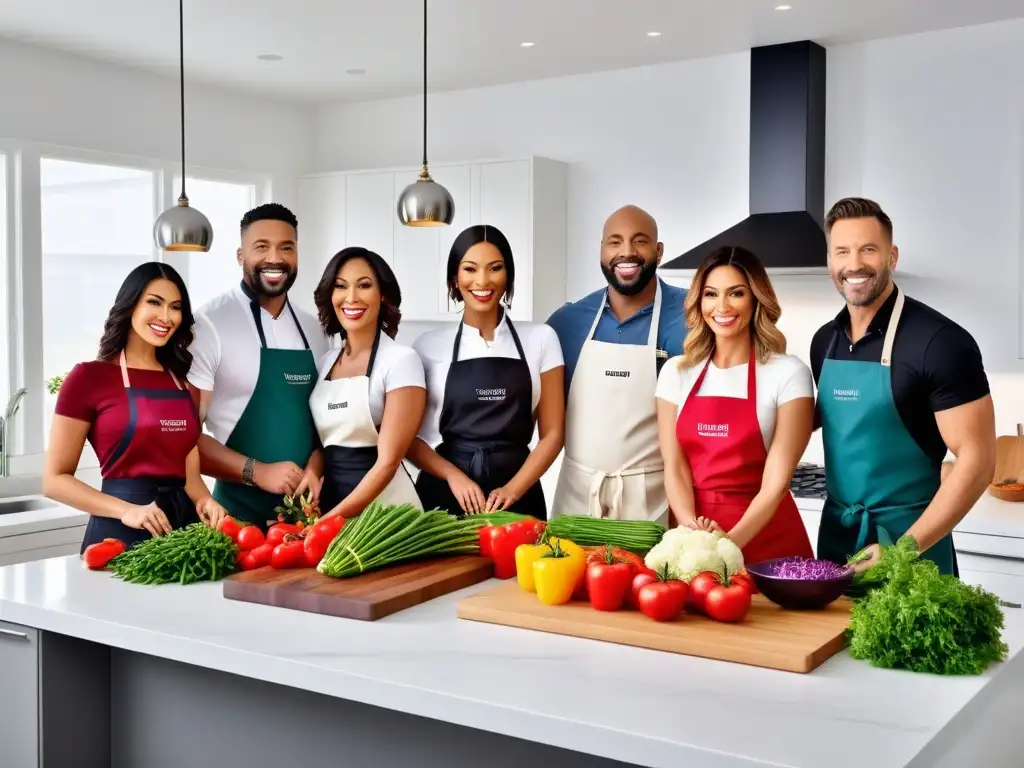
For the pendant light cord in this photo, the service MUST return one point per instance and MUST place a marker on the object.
(181, 84)
(424, 83)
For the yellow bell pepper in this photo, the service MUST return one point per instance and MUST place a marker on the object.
(528, 554)
(556, 573)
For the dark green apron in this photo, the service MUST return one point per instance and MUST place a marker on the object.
(276, 425)
(879, 480)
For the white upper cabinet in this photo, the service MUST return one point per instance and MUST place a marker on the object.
(524, 198)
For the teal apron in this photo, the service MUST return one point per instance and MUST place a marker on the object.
(276, 425)
(879, 480)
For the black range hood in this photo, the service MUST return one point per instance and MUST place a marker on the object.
(787, 164)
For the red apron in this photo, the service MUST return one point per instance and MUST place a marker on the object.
(722, 441)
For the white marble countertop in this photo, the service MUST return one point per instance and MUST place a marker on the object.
(645, 707)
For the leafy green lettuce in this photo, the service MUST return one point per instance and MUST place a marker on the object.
(912, 617)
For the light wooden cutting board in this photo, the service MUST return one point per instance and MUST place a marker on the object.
(792, 641)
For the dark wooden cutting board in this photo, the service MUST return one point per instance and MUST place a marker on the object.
(367, 597)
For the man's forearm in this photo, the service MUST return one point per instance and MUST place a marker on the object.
(219, 461)
(968, 479)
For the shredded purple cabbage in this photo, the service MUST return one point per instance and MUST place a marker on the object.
(807, 569)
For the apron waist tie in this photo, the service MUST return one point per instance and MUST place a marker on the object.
(164, 491)
(597, 480)
(859, 516)
(480, 454)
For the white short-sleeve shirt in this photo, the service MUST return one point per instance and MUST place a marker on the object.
(781, 379)
(395, 366)
(540, 348)
(226, 353)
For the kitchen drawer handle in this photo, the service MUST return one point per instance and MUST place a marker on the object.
(12, 633)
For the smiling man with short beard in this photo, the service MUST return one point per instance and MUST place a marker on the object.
(253, 369)
(890, 404)
(614, 342)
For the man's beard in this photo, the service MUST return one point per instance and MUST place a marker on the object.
(642, 280)
(255, 281)
(870, 291)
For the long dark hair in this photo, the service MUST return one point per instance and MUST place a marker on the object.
(390, 293)
(174, 355)
(474, 235)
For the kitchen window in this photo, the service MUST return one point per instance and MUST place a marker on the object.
(5, 288)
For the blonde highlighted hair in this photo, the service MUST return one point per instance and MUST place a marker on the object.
(766, 337)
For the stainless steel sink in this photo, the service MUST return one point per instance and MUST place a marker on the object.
(28, 504)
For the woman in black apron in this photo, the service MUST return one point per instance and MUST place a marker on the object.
(487, 411)
(132, 406)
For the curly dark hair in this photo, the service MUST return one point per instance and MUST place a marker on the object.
(174, 355)
(391, 295)
(474, 235)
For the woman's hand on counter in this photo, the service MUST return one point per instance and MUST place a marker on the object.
(469, 495)
(147, 517)
(210, 512)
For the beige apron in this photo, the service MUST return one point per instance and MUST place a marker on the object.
(612, 465)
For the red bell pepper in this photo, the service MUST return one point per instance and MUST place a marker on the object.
(319, 538)
(503, 540)
(609, 579)
(98, 554)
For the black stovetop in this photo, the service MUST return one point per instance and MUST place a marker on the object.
(808, 481)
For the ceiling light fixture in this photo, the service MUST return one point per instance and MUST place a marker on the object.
(182, 228)
(654, 34)
(425, 203)
(270, 57)
(526, 45)
(783, 7)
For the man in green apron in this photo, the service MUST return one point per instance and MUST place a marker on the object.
(254, 366)
(898, 385)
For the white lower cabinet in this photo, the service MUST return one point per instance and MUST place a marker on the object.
(19, 704)
(525, 198)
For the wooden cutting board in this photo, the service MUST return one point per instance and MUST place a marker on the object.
(792, 641)
(1010, 457)
(367, 597)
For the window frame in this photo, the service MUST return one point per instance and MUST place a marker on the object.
(24, 269)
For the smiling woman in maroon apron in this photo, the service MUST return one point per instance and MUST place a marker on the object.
(489, 382)
(133, 407)
(735, 412)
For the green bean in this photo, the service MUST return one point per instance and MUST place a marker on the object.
(191, 554)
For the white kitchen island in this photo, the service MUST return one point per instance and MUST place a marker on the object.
(180, 676)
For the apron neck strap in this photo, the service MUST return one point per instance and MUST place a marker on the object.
(751, 374)
(373, 352)
(890, 332)
(257, 316)
(503, 317)
(124, 373)
(652, 335)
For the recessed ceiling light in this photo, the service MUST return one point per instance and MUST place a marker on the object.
(783, 7)
(654, 34)
(269, 57)
(356, 71)
(526, 45)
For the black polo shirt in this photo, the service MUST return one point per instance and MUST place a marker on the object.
(936, 364)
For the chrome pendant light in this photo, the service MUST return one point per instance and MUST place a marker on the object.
(182, 228)
(425, 203)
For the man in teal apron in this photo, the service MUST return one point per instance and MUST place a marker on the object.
(254, 366)
(898, 385)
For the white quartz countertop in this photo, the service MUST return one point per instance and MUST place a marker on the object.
(640, 706)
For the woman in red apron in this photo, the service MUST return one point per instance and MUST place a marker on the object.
(138, 416)
(736, 413)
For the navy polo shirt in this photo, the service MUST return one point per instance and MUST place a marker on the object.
(572, 324)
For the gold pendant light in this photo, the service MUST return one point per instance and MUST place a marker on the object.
(425, 203)
(182, 228)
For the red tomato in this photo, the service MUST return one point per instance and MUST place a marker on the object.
(743, 578)
(661, 600)
(288, 554)
(700, 585)
(277, 532)
(608, 581)
(728, 602)
(319, 538)
(261, 555)
(640, 580)
(97, 555)
(230, 527)
(246, 561)
(249, 538)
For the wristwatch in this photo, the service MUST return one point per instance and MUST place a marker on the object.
(248, 470)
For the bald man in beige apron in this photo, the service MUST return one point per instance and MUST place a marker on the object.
(612, 466)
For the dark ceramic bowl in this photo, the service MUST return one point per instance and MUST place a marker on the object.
(798, 594)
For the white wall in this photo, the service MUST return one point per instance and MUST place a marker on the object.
(931, 126)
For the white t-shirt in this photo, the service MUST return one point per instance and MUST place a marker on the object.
(781, 379)
(395, 366)
(226, 353)
(540, 347)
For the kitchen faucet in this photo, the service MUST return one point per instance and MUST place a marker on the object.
(5, 431)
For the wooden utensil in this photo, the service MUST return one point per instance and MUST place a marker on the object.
(1008, 478)
(793, 641)
(367, 597)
